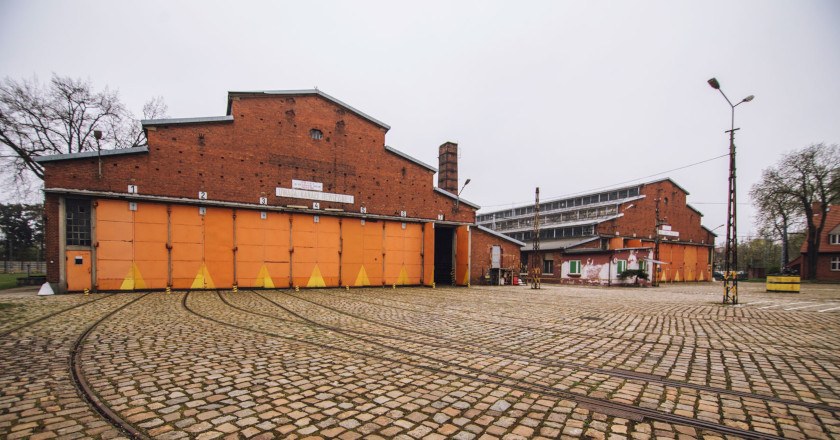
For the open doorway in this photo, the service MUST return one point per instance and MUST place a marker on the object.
(444, 255)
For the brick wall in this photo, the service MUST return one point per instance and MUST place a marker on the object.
(266, 146)
(481, 243)
(640, 218)
(51, 228)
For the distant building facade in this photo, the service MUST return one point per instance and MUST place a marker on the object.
(828, 256)
(593, 238)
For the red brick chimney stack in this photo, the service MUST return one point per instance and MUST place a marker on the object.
(448, 167)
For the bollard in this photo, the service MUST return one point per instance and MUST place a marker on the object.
(394, 286)
(433, 284)
(347, 287)
(297, 289)
(87, 292)
(235, 288)
(168, 290)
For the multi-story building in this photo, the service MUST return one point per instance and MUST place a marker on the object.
(593, 238)
(828, 254)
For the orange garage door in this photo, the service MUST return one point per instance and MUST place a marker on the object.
(403, 262)
(315, 244)
(262, 256)
(462, 255)
(361, 252)
(131, 245)
(202, 248)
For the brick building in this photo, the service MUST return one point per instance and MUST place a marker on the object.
(289, 188)
(828, 255)
(593, 237)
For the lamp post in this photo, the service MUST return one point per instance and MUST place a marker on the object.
(730, 257)
(458, 196)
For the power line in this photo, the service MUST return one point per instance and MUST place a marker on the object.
(615, 184)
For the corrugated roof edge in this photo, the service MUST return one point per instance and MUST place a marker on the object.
(309, 92)
(412, 159)
(500, 235)
(549, 246)
(175, 121)
(454, 197)
(90, 154)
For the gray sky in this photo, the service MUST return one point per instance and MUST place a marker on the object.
(568, 96)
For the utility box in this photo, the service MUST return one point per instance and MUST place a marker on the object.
(783, 284)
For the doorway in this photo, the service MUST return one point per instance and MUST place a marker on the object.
(444, 255)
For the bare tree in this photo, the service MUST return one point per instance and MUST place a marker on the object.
(777, 213)
(60, 117)
(810, 178)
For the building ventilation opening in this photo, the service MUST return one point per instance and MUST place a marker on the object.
(444, 255)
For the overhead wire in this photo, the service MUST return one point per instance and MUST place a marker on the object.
(614, 184)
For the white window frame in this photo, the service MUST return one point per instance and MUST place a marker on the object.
(618, 266)
(835, 264)
(573, 263)
(833, 238)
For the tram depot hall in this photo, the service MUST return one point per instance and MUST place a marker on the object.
(288, 189)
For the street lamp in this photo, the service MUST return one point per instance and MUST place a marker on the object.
(458, 196)
(730, 258)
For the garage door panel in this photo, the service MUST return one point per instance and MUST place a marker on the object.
(150, 232)
(114, 231)
(114, 250)
(113, 210)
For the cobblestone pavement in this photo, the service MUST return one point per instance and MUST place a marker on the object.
(416, 363)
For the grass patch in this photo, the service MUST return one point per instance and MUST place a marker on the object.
(5, 306)
(9, 280)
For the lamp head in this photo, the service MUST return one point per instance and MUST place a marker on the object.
(714, 83)
(467, 182)
(749, 98)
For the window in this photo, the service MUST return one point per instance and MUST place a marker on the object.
(574, 267)
(316, 134)
(835, 264)
(77, 212)
(621, 266)
(548, 267)
(834, 238)
(642, 265)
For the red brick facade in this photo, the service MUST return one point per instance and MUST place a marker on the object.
(266, 141)
(828, 252)
(481, 245)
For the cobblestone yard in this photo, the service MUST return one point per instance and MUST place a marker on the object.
(417, 363)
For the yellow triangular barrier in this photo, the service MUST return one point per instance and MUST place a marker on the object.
(702, 276)
(264, 279)
(133, 280)
(663, 278)
(466, 278)
(362, 278)
(202, 279)
(677, 277)
(316, 280)
(403, 278)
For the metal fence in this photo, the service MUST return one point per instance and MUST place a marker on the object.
(23, 266)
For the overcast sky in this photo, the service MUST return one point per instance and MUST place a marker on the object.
(567, 96)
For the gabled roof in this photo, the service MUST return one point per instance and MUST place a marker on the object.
(90, 154)
(668, 179)
(454, 197)
(175, 121)
(410, 158)
(306, 92)
(500, 235)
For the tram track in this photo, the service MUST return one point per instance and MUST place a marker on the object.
(624, 374)
(86, 391)
(430, 310)
(606, 406)
(50, 315)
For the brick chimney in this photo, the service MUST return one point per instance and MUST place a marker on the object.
(448, 167)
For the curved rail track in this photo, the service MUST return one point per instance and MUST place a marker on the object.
(50, 315)
(86, 391)
(618, 409)
(552, 330)
(624, 374)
